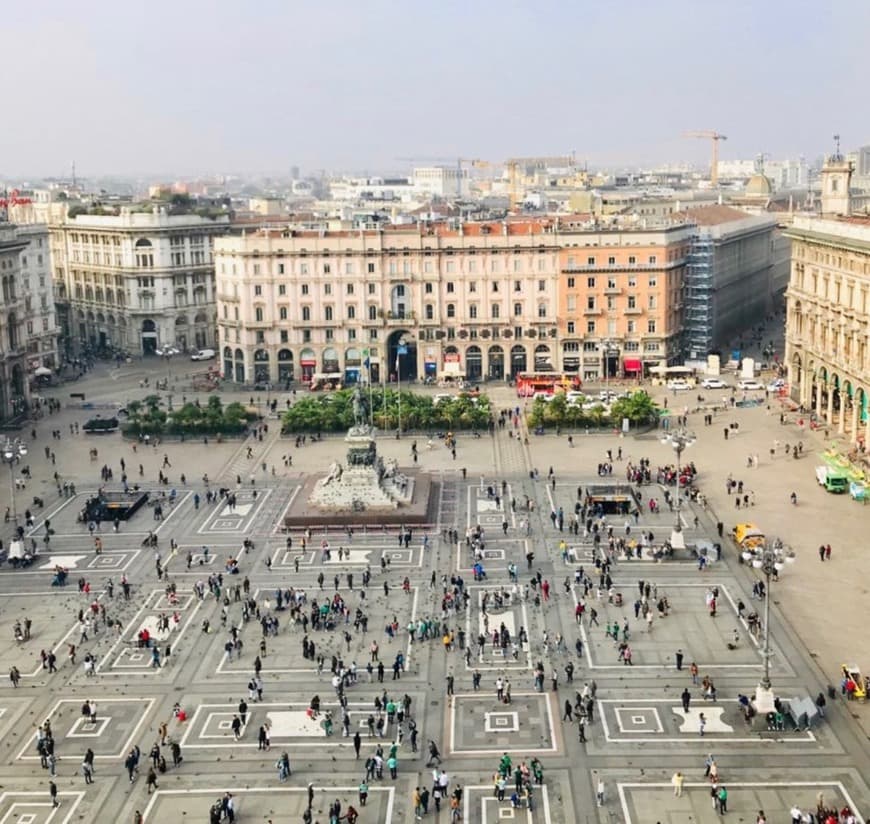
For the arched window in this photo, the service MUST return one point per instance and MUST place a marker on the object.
(451, 310)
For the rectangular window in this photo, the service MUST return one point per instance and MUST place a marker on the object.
(632, 302)
(472, 311)
(282, 289)
(651, 326)
(590, 327)
(590, 261)
(285, 336)
(371, 268)
(518, 310)
(590, 283)
(304, 288)
(280, 268)
(349, 288)
(571, 283)
(542, 286)
(518, 286)
(611, 261)
(303, 268)
(306, 313)
(373, 312)
(653, 302)
(258, 290)
(449, 286)
(631, 327)
(327, 288)
(351, 334)
(652, 259)
(632, 282)
(542, 310)
(472, 286)
(428, 288)
(495, 286)
(570, 327)
(494, 310)
(256, 268)
(590, 301)
(371, 286)
(632, 260)
(348, 268)
(282, 313)
(653, 281)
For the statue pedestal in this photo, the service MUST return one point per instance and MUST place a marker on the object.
(365, 483)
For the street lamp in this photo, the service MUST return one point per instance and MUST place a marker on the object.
(770, 560)
(13, 452)
(680, 440)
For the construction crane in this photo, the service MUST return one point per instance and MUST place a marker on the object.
(514, 164)
(474, 163)
(709, 134)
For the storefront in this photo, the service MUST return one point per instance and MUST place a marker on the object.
(474, 363)
(307, 363)
(352, 366)
(496, 363)
(430, 362)
(632, 367)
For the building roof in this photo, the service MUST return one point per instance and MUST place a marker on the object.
(713, 215)
(759, 186)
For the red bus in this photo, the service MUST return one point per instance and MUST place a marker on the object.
(548, 383)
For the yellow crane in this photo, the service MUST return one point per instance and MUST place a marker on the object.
(715, 137)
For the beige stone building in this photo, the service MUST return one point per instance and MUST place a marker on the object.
(478, 298)
(137, 280)
(828, 323)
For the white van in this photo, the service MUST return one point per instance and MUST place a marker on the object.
(203, 354)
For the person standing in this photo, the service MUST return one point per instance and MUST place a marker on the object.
(87, 773)
(678, 657)
(52, 791)
(686, 698)
(677, 781)
(723, 800)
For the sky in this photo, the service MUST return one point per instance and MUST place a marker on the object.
(202, 87)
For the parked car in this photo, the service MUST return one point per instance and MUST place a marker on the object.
(678, 385)
(714, 383)
(203, 354)
(749, 385)
(775, 386)
(167, 351)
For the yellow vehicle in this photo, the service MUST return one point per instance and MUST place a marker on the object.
(748, 536)
(852, 675)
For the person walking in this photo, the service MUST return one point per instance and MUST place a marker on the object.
(52, 792)
(151, 782)
(87, 772)
(723, 800)
(702, 723)
(686, 698)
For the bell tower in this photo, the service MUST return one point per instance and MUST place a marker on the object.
(836, 177)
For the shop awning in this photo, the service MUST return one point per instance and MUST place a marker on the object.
(632, 365)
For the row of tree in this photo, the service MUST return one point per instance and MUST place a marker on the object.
(147, 417)
(638, 407)
(333, 412)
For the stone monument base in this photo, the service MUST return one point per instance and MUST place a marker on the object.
(420, 509)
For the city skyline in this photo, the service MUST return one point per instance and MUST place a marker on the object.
(202, 89)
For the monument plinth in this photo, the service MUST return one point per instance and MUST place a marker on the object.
(367, 483)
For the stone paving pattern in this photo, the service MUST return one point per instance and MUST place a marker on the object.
(640, 735)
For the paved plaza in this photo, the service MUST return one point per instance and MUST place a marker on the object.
(641, 731)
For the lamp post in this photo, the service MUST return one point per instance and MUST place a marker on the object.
(770, 560)
(680, 440)
(13, 451)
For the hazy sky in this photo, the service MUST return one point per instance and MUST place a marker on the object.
(207, 86)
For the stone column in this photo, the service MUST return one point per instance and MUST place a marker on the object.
(854, 428)
(829, 412)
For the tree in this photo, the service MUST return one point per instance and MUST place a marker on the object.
(537, 413)
(557, 409)
(638, 407)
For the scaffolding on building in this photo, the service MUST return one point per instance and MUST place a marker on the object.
(698, 316)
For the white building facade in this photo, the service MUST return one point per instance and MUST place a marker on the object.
(138, 280)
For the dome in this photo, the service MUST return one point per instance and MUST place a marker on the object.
(759, 186)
